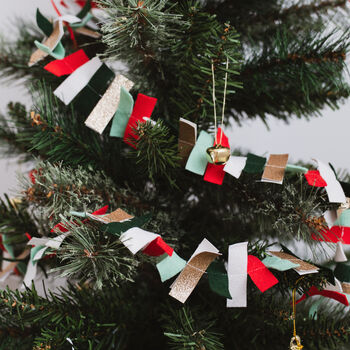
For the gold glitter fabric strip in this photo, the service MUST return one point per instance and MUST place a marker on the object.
(304, 266)
(346, 287)
(274, 169)
(190, 276)
(88, 32)
(116, 216)
(108, 104)
(51, 42)
(187, 139)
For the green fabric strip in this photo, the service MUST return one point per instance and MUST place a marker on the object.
(346, 188)
(218, 279)
(255, 164)
(170, 266)
(22, 267)
(116, 228)
(43, 23)
(342, 272)
(87, 98)
(7, 243)
(85, 10)
(197, 161)
(123, 113)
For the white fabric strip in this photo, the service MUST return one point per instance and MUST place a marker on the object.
(53, 243)
(235, 165)
(56, 242)
(237, 269)
(135, 239)
(336, 288)
(205, 247)
(35, 241)
(339, 253)
(334, 190)
(69, 18)
(30, 275)
(330, 217)
(71, 87)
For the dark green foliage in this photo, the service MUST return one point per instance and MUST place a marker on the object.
(293, 75)
(172, 46)
(15, 221)
(61, 189)
(184, 333)
(156, 150)
(91, 255)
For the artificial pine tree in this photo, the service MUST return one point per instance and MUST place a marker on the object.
(284, 59)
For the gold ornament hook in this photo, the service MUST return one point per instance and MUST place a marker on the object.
(295, 343)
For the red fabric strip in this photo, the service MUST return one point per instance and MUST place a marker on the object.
(215, 173)
(334, 235)
(314, 178)
(63, 4)
(341, 298)
(101, 211)
(157, 248)
(1, 245)
(28, 236)
(68, 64)
(260, 274)
(82, 3)
(144, 106)
(55, 7)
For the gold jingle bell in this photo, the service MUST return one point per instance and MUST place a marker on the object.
(295, 343)
(218, 154)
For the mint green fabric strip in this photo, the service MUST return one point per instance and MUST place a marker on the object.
(83, 22)
(274, 262)
(344, 219)
(314, 308)
(123, 113)
(170, 266)
(33, 251)
(79, 214)
(296, 169)
(58, 53)
(197, 161)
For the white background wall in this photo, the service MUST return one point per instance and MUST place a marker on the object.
(325, 137)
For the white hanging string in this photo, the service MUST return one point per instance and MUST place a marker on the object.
(224, 101)
(213, 95)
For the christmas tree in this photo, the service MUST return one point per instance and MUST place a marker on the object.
(168, 239)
